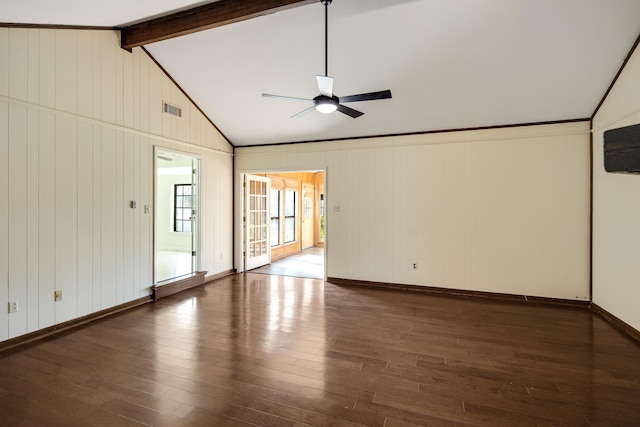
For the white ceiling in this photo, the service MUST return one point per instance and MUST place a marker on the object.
(450, 64)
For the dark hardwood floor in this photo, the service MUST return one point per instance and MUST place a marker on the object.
(254, 349)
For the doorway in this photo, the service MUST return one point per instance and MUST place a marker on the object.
(288, 216)
(176, 228)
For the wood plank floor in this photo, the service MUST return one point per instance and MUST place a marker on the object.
(254, 349)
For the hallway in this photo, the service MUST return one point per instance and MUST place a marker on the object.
(308, 264)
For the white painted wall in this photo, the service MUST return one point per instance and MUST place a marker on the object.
(79, 118)
(503, 210)
(616, 207)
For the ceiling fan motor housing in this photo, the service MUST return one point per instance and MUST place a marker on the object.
(326, 104)
(322, 99)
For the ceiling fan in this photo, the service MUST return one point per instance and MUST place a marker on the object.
(327, 101)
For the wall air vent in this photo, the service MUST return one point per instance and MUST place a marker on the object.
(171, 109)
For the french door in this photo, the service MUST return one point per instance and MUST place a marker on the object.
(257, 250)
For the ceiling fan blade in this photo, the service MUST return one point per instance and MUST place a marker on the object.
(303, 112)
(268, 95)
(349, 111)
(325, 85)
(383, 94)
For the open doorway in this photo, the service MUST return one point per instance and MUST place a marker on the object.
(296, 224)
(176, 219)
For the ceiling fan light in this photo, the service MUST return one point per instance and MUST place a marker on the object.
(326, 106)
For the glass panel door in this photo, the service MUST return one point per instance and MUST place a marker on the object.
(256, 221)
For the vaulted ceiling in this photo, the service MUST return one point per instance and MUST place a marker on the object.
(450, 64)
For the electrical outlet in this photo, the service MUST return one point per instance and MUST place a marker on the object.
(13, 307)
(57, 295)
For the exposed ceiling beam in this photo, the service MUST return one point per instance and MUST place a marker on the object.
(216, 14)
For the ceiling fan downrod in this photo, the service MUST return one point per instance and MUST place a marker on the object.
(326, 4)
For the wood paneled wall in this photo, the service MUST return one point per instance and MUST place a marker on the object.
(79, 118)
(616, 206)
(496, 210)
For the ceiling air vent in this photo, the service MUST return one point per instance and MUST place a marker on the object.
(172, 109)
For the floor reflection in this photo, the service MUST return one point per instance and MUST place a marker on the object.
(279, 320)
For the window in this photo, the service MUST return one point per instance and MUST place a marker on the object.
(274, 212)
(182, 208)
(289, 216)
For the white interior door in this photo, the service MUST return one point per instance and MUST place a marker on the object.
(257, 250)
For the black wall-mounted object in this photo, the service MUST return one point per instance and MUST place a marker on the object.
(622, 150)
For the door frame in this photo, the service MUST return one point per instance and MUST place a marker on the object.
(239, 238)
(195, 239)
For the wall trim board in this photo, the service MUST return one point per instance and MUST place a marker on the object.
(426, 132)
(182, 284)
(461, 136)
(61, 327)
(173, 286)
(458, 292)
(591, 212)
(114, 126)
(55, 26)
(214, 277)
(617, 322)
(234, 196)
(615, 121)
(595, 308)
